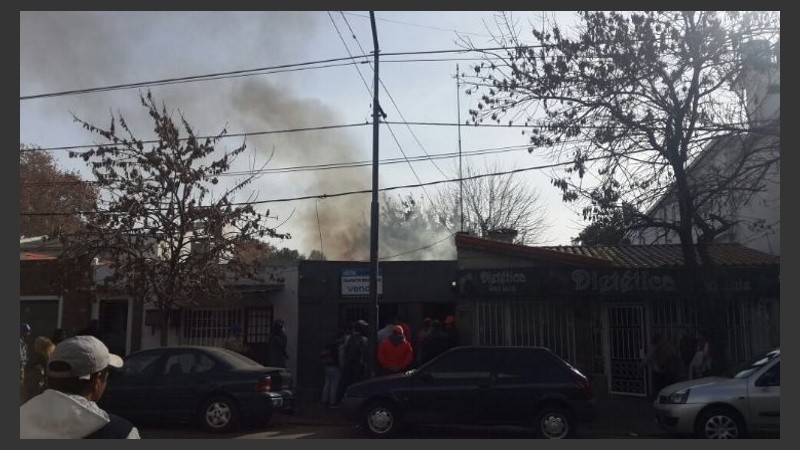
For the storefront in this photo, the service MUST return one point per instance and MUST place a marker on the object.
(597, 307)
(334, 294)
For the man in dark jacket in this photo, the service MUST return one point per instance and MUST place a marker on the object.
(276, 345)
(356, 360)
(435, 343)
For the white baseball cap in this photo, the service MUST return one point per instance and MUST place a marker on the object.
(84, 355)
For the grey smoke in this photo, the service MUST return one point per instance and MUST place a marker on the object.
(74, 50)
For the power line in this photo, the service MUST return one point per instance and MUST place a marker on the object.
(350, 125)
(398, 22)
(190, 78)
(396, 106)
(366, 85)
(256, 71)
(232, 135)
(346, 193)
(347, 48)
(421, 248)
(330, 166)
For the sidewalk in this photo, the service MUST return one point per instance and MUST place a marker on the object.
(617, 417)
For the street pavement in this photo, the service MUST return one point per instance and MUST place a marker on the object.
(617, 418)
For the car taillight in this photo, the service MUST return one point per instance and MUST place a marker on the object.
(265, 384)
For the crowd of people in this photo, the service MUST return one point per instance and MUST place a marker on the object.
(668, 364)
(346, 358)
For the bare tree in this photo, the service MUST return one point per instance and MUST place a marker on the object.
(505, 201)
(170, 239)
(637, 99)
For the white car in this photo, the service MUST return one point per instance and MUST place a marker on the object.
(747, 401)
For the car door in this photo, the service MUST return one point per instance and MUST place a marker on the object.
(448, 390)
(522, 377)
(764, 392)
(128, 393)
(182, 382)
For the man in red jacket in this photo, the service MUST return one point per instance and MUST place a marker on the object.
(395, 353)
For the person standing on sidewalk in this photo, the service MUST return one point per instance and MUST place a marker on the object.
(355, 362)
(277, 344)
(454, 337)
(435, 343)
(655, 361)
(333, 372)
(36, 367)
(395, 353)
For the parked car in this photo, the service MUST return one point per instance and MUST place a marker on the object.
(527, 386)
(746, 400)
(212, 386)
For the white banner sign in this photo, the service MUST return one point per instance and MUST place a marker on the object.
(355, 282)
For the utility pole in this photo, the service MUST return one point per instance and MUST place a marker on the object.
(460, 173)
(373, 241)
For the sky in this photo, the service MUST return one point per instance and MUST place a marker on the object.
(61, 51)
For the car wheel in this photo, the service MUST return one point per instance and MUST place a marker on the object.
(719, 423)
(554, 422)
(381, 419)
(219, 414)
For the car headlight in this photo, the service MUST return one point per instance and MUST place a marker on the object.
(677, 397)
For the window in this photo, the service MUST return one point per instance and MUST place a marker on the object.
(139, 363)
(187, 362)
(771, 377)
(178, 364)
(461, 364)
(529, 366)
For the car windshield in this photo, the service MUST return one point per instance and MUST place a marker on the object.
(748, 368)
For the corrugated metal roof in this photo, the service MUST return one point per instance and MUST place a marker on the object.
(670, 255)
(644, 256)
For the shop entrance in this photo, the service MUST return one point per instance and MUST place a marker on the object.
(626, 326)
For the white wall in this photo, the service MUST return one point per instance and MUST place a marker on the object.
(285, 306)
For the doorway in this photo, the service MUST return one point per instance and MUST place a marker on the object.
(627, 346)
(113, 323)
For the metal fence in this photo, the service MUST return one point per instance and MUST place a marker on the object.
(208, 326)
(748, 324)
(545, 323)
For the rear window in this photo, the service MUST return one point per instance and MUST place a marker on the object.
(236, 360)
(530, 366)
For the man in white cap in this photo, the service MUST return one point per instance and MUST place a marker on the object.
(77, 377)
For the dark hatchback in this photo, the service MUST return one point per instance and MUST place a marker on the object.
(528, 386)
(212, 386)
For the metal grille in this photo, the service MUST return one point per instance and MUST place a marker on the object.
(208, 326)
(670, 317)
(547, 323)
(257, 325)
(598, 347)
(627, 345)
(738, 326)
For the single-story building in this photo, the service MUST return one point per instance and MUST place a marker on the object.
(596, 306)
(334, 294)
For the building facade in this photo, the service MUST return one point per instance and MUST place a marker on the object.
(333, 294)
(597, 307)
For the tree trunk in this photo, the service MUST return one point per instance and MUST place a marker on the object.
(164, 341)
